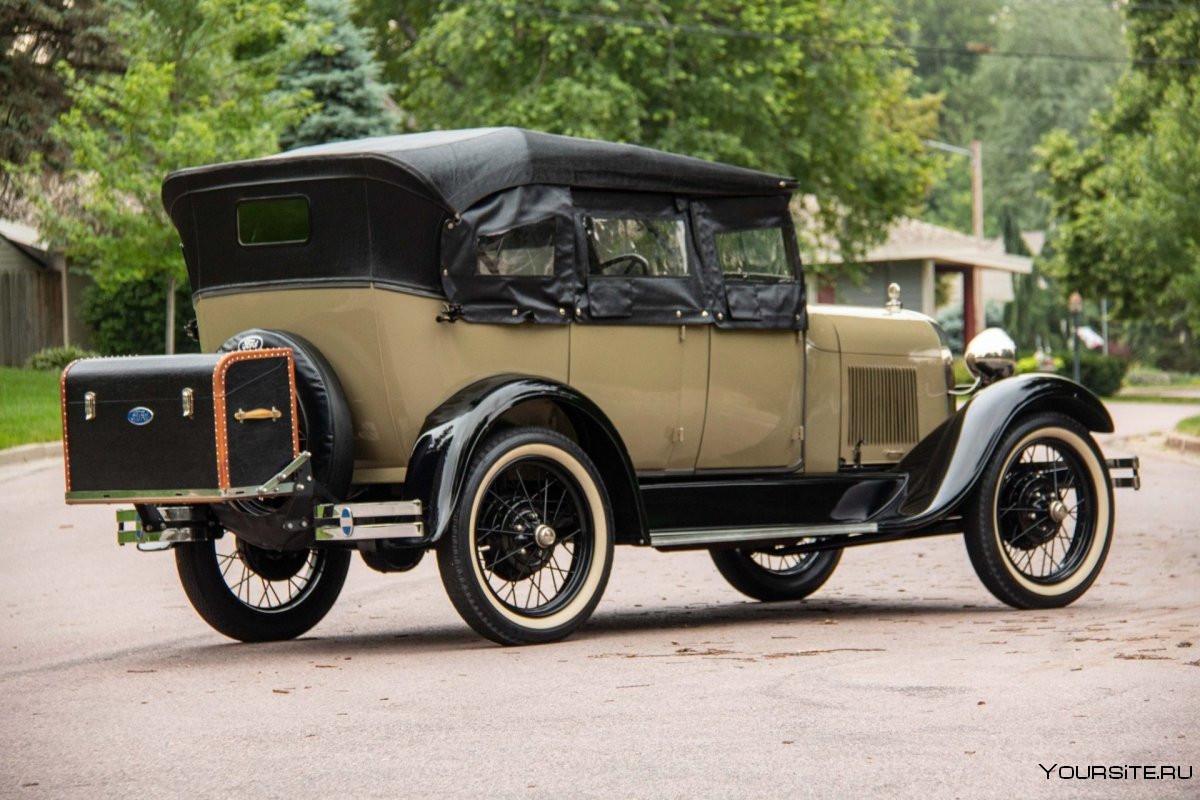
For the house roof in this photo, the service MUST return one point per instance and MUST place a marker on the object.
(915, 240)
(459, 168)
(27, 240)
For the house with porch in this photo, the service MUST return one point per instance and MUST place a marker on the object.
(916, 256)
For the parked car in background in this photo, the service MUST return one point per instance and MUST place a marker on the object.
(519, 350)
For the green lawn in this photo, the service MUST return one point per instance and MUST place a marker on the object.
(1190, 426)
(29, 407)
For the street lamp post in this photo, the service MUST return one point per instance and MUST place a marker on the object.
(1075, 305)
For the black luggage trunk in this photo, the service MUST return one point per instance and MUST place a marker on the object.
(186, 428)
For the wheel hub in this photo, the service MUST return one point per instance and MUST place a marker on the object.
(271, 564)
(545, 536)
(516, 557)
(1041, 516)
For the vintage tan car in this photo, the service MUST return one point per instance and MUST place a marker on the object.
(519, 350)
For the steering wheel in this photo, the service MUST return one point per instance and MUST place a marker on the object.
(638, 265)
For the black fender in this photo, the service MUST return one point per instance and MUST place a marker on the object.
(944, 466)
(437, 468)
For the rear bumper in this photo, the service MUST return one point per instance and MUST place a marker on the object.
(1124, 473)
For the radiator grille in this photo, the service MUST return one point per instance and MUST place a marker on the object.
(883, 405)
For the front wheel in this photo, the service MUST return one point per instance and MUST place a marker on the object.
(257, 595)
(773, 574)
(1040, 524)
(529, 549)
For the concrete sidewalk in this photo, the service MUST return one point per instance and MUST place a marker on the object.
(30, 452)
(1175, 393)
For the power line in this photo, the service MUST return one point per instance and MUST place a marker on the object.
(723, 31)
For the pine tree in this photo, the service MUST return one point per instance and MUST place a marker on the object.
(342, 76)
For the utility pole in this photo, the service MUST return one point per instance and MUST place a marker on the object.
(170, 331)
(975, 153)
(977, 189)
(973, 309)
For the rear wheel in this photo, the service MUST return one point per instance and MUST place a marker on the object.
(253, 593)
(1040, 524)
(530, 546)
(775, 573)
(257, 595)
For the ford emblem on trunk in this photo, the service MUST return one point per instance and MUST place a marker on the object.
(139, 416)
(251, 342)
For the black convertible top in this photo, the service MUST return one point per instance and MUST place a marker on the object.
(456, 169)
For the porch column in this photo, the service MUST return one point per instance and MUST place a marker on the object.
(972, 311)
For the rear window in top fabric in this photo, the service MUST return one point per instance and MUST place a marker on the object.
(273, 220)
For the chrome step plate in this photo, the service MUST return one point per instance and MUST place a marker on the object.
(401, 519)
(709, 536)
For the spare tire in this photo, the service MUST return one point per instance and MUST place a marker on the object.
(326, 429)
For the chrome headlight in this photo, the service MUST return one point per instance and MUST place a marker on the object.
(991, 356)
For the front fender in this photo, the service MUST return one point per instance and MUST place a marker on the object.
(437, 468)
(944, 466)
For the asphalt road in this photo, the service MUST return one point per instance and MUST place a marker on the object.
(901, 678)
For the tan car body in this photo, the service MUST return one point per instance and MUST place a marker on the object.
(682, 398)
(518, 350)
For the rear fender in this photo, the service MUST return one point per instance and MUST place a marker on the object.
(944, 466)
(452, 434)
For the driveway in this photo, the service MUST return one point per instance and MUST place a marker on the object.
(901, 678)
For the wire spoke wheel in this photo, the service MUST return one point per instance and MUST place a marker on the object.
(532, 539)
(266, 580)
(778, 560)
(253, 594)
(1040, 524)
(1045, 511)
(776, 572)
(530, 545)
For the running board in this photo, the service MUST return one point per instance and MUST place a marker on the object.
(693, 537)
(1132, 464)
(357, 521)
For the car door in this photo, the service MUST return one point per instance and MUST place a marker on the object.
(755, 412)
(640, 348)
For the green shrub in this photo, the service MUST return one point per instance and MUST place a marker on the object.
(1101, 374)
(129, 319)
(56, 358)
(1147, 376)
(1031, 364)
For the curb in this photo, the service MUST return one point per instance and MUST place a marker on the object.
(30, 452)
(1184, 443)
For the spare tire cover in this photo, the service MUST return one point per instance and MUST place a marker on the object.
(327, 430)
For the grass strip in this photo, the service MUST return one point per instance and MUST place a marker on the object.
(29, 407)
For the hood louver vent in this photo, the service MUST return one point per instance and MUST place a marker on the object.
(883, 405)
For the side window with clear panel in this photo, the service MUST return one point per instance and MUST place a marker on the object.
(755, 254)
(649, 248)
(526, 251)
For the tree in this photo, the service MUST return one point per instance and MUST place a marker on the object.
(38, 38)
(199, 87)
(342, 77)
(1034, 316)
(1022, 99)
(947, 37)
(395, 25)
(805, 88)
(1127, 224)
